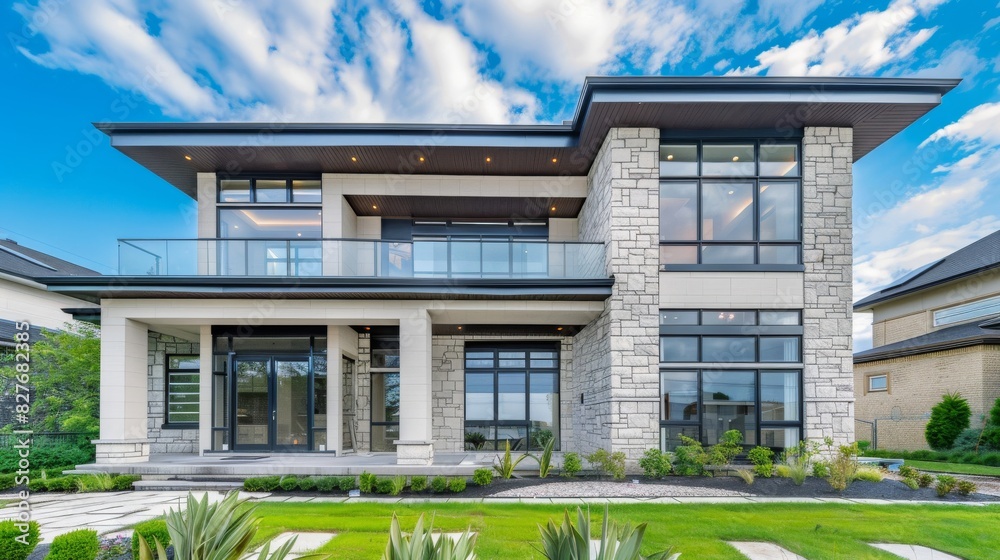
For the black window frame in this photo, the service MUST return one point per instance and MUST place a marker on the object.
(699, 243)
(253, 178)
(527, 370)
(167, 371)
(756, 331)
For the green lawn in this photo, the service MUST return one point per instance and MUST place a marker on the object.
(827, 531)
(959, 468)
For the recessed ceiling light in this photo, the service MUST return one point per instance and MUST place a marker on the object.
(736, 158)
(460, 327)
(421, 158)
(554, 160)
(374, 207)
(670, 157)
(488, 159)
(558, 328)
(187, 157)
(354, 158)
(368, 328)
(236, 227)
(298, 235)
(731, 192)
(553, 208)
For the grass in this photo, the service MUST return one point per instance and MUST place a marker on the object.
(957, 468)
(815, 531)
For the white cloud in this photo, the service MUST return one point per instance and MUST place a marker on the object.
(861, 44)
(788, 13)
(978, 127)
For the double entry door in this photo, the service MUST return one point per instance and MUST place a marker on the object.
(273, 403)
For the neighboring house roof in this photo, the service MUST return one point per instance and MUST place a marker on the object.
(8, 330)
(971, 259)
(875, 109)
(958, 336)
(28, 263)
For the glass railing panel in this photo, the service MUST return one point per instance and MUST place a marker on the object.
(430, 259)
(496, 259)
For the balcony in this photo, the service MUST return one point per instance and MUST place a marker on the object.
(359, 258)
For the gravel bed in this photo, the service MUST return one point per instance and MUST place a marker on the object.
(575, 489)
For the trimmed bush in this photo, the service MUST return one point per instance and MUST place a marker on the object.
(261, 484)
(571, 464)
(457, 484)
(966, 487)
(609, 464)
(439, 484)
(418, 483)
(307, 484)
(690, 458)
(945, 484)
(655, 463)
(383, 485)
(948, 419)
(50, 455)
(911, 483)
(907, 471)
(366, 482)
(11, 549)
(763, 461)
(482, 477)
(153, 529)
(81, 544)
(289, 483)
(924, 480)
(346, 483)
(326, 483)
(124, 481)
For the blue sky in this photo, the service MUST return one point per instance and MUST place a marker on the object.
(921, 195)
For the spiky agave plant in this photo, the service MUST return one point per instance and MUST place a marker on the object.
(421, 544)
(617, 542)
(219, 531)
(505, 467)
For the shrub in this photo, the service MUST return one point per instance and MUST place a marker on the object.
(260, 484)
(745, 474)
(11, 549)
(729, 446)
(289, 483)
(418, 483)
(762, 459)
(125, 481)
(907, 471)
(609, 464)
(863, 446)
(457, 484)
(995, 413)
(81, 544)
(571, 464)
(475, 439)
(149, 530)
(482, 477)
(398, 485)
(346, 483)
(366, 482)
(97, 482)
(505, 467)
(969, 440)
(869, 474)
(944, 485)
(782, 471)
(966, 487)
(439, 484)
(821, 469)
(383, 485)
(911, 483)
(307, 484)
(948, 418)
(798, 472)
(991, 437)
(323, 483)
(689, 458)
(50, 455)
(924, 480)
(655, 463)
(843, 467)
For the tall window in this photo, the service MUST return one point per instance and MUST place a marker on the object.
(730, 203)
(385, 392)
(726, 370)
(183, 389)
(511, 394)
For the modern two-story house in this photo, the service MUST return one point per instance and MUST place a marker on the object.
(676, 259)
(935, 330)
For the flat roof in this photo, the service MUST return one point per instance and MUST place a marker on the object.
(877, 109)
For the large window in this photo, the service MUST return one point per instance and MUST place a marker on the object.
(723, 383)
(730, 204)
(511, 394)
(967, 311)
(385, 392)
(183, 390)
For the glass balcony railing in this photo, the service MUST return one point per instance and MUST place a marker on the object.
(360, 258)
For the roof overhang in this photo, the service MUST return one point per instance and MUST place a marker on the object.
(96, 288)
(877, 109)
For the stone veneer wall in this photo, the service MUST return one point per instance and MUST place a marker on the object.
(363, 402)
(166, 440)
(827, 254)
(617, 355)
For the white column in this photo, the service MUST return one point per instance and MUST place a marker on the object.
(334, 385)
(124, 399)
(415, 445)
(207, 226)
(205, 386)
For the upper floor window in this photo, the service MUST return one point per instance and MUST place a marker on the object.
(730, 203)
(730, 336)
(270, 191)
(967, 311)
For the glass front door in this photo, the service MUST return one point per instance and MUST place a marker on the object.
(272, 403)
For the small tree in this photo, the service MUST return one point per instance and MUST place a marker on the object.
(948, 418)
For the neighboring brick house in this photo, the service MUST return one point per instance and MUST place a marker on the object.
(935, 330)
(674, 260)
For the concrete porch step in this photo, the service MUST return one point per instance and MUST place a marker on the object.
(188, 485)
